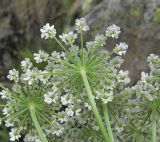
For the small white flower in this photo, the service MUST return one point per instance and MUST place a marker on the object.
(78, 111)
(61, 117)
(13, 75)
(107, 97)
(144, 76)
(154, 61)
(54, 88)
(26, 64)
(95, 127)
(48, 31)
(81, 25)
(69, 38)
(119, 129)
(31, 138)
(14, 134)
(88, 106)
(3, 94)
(63, 54)
(100, 39)
(58, 132)
(123, 77)
(90, 44)
(5, 110)
(67, 99)
(152, 58)
(99, 95)
(28, 76)
(69, 112)
(41, 56)
(121, 48)
(8, 123)
(47, 99)
(51, 97)
(113, 31)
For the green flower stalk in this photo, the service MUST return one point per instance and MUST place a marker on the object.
(93, 105)
(63, 101)
(154, 125)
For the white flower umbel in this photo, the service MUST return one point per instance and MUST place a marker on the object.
(13, 75)
(28, 76)
(69, 112)
(69, 38)
(48, 31)
(113, 31)
(9, 123)
(40, 56)
(123, 77)
(5, 110)
(14, 134)
(100, 39)
(26, 64)
(121, 48)
(3, 94)
(144, 77)
(81, 25)
(67, 99)
(107, 97)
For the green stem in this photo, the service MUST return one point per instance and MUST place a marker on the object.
(94, 139)
(93, 105)
(106, 118)
(154, 132)
(81, 34)
(1, 86)
(61, 45)
(42, 136)
(66, 51)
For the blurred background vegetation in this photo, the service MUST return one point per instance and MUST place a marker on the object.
(21, 20)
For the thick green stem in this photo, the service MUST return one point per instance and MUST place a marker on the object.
(93, 105)
(106, 118)
(41, 135)
(154, 132)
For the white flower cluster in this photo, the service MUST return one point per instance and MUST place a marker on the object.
(69, 38)
(81, 25)
(57, 92)
(14, 134)
(26, 64)
(48, 31)
(31, 137)
(41, 56)
(123, 77)
(50, 96)
(13, 75)
(3, 94)
(113, 31)
(121, 48)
